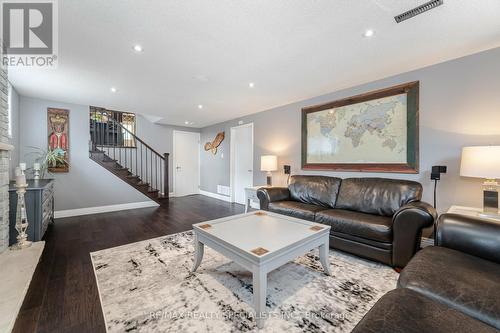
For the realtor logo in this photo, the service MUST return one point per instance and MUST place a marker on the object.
(29, 33)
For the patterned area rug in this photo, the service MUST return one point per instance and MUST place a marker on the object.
(148, 287)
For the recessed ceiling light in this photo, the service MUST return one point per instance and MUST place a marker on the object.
(251, 85)
(186, 122)
(200, 106)
(138, 48)
(369, 33)
(113, 89)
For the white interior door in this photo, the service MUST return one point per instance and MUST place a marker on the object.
(186, 165)
(242, 160)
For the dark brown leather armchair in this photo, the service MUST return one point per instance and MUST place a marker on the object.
(459, 277)
(376, 218)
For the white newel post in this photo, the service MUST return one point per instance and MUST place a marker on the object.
(4, 158)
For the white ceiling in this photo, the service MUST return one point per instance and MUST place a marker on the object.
(207, 51)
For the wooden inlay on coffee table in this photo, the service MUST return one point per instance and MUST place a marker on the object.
(260, 213)
(205, 226)
(259, 251)
(316, 228)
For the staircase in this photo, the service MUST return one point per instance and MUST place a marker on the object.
(121, 152)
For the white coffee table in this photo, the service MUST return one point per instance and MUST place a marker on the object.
(261, 242)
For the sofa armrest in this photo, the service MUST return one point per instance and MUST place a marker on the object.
(474, 236)
(407, 225)
(271, 194)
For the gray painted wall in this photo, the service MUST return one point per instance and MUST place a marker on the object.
(160, 138)
(459, 106)
(87, 184)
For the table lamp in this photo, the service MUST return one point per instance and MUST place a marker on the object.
(268, 163)
(484, 162)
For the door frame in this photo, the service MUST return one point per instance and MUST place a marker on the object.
(174, 158)
(232, 149)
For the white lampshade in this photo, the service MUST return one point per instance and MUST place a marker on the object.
(481, 162)
(268, 163)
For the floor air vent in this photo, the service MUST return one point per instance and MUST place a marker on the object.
(418, 10)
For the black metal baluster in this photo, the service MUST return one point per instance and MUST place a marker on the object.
(165, 176)
(120, 149)
(114, 140)
(100, 133)
(92, 131)
(107, 138)
(95, 131)
(101, 136)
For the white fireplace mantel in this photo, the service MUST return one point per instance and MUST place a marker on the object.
(6, 146)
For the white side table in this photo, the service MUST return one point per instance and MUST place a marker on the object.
(251, 195)
(473, 212)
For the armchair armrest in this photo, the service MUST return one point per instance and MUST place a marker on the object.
(407, 225)
(475, 236)
(271, 194)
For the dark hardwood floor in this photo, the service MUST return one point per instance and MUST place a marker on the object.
(62, 296)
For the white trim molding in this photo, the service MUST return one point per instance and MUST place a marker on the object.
(103, 209)
(215, 196)
(232, 149)
(174, 158)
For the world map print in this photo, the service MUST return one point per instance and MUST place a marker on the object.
(367, 132)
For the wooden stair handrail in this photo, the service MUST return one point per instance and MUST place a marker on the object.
(135, 137)
(153, 168)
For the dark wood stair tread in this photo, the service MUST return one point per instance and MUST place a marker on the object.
(124, 173)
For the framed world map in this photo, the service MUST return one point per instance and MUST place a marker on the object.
(372, 132)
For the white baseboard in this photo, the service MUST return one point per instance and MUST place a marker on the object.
(103, 209)
(215, 196)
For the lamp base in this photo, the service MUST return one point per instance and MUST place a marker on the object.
(269, 181)
(490, 197)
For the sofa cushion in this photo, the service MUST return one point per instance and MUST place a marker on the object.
(464, 282)
(368, 226)
(295, 209)
(404, 310)
(315, 190)
(379, 196)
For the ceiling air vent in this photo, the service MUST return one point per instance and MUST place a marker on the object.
(418, 10)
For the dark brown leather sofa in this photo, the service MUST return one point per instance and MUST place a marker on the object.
(376, 218)
(452, 287)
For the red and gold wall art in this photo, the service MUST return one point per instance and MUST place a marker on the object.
(58, 138)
